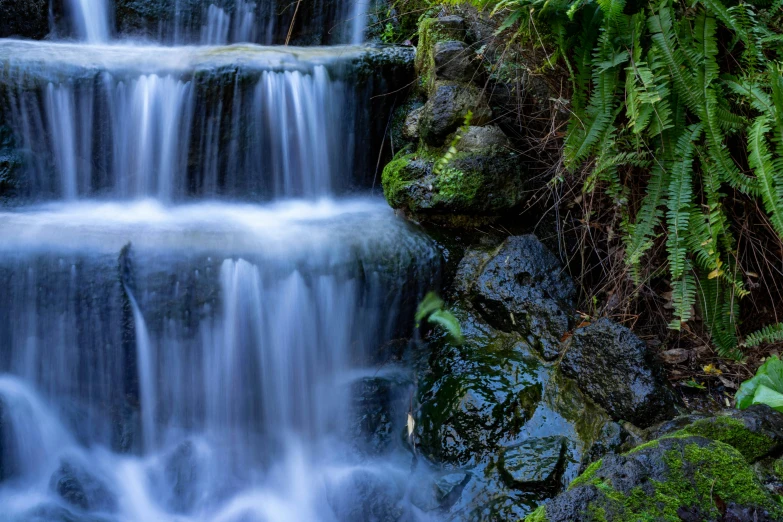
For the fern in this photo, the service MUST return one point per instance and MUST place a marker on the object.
(768, 334)
(656, 96)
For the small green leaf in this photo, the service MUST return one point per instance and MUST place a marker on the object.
(430, 304)
(448, 322)
(768, 396)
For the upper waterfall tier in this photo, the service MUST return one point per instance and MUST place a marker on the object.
(247, 121)
(184, 22)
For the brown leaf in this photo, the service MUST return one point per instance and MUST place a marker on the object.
(728, 383)
(675, 355)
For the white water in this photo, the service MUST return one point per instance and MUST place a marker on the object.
(190, 305)
(269, 134)
(90, 20)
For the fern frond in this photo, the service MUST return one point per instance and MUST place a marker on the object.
(769, 334)
(770, 178)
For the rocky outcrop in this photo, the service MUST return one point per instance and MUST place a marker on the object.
(375, 403)
(81, 489)
(506, 429)
(524, 288)
(701, 471)
(615, 369)
(445, 172)
(24, 18)
(474, 187)
(446, 110)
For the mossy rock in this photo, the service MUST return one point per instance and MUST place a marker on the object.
(474, 187)
(755, 432)
(677, 478)
(447, 107)
(432, 31)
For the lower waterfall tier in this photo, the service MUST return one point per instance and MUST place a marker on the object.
(206, 361)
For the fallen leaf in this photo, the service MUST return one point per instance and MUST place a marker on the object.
(411, 425)
(727, 383)
(710, 369)
(675, 355)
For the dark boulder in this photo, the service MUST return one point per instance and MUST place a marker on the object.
(24, 18)
(81, 489)
(365, 496)
(679, 478)
(525, 288)
(453, 60)
(478, 396)
(534, 462)
(374, 403)
(447, 107)
(489, 137)
(10, 162)
(615, 368)
(432, 31)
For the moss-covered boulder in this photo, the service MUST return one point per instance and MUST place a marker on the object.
(474, 187)
(431, 32)
(615, 368)
(756, 432)
(699, 469)
(447, 107)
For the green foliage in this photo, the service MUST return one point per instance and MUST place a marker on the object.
(444, 160)
(687, 96)
(766, 387)
(433, 309)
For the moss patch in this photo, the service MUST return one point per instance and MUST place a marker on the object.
(539, 515)
(733, 432)
(671, 476)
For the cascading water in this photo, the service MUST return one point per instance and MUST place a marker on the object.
(224, 22)
(170, 348)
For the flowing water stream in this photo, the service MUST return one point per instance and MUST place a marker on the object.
(196, 286)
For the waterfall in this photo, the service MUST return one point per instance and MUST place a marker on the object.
(221, 374)
(91, 20)
(145, 369)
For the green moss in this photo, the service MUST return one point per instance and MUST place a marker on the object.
(395, 179)
(432, 31)
(539, 515)
(459, 187)
(695, 474)
(733, 432)
(588, 476)
(777, 468)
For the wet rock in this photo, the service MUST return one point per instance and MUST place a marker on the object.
(364, 496)
(56, 513)
(756, 432)
(181, 473)
(534, 463)
(372, 414)
(679, 478)
(439, 492)
(7, 445)
(524, 288)
(410, 129)
(453, 60)
(24, 18)
(482, 138)
(468, 271)
(610, 439)
(447, 107)
(473, 188)
(81, 489)
(10, 162)
(614, 368)
(478, 395)
(432, 31)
